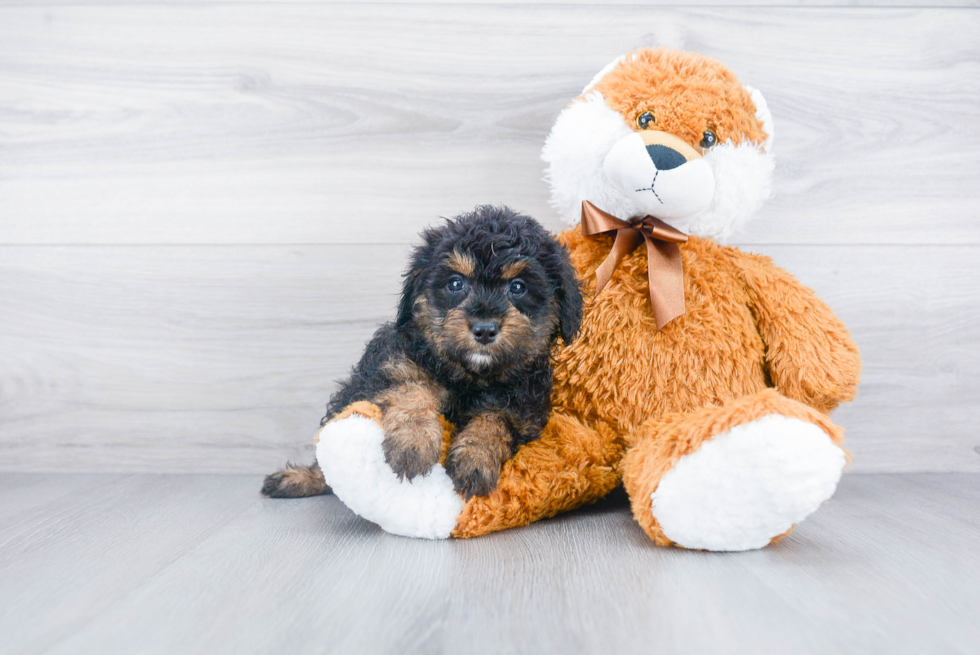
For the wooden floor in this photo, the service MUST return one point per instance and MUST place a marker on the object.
(194, 564)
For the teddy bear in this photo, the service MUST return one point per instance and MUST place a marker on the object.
(702, 378)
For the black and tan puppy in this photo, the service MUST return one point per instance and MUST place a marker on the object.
(485, 298)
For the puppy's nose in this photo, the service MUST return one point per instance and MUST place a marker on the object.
(485, 331)
(665, 158)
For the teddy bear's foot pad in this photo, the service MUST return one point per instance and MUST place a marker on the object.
(349, 453)
(748, 485)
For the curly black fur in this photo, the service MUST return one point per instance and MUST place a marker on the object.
(493, 266)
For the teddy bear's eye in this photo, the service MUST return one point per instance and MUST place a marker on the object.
(708, 139)
(645, 120)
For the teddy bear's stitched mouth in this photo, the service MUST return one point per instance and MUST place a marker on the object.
(651, 189)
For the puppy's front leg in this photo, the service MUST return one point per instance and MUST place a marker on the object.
(477, 453)
(413, 433)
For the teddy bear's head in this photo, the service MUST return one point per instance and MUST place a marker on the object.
(670, 134)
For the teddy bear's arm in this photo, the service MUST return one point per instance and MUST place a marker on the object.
(809, 353)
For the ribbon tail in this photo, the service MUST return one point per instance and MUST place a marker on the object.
(626, 240)
(665, 271)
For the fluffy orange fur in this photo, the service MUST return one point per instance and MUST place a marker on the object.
(686, 93)
(629, 400)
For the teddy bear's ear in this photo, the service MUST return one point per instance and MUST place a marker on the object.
(763, 114)
(601, 74)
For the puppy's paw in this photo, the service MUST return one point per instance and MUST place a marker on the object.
(295, 482)
(412, 450)
(352, 458)
(474, 472)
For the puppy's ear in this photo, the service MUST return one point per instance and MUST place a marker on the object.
(414, 279)
(569, 293)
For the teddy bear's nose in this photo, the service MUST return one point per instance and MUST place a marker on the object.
(665, 158)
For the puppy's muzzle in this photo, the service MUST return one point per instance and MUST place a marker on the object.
(485, 332)
(661, 174)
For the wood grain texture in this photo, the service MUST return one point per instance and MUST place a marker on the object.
(346, 127)
(193, 564)
(301, 123)
(221, 358)
(192, 357)
(27, 500)
(89, 549)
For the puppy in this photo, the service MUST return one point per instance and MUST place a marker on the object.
(485, 298)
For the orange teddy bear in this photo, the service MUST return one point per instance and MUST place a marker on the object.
(702, 377)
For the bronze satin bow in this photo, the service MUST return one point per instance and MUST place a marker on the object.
(664, 267)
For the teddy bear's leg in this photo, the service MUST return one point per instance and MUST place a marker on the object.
(350, 454)
(733, 477)
(569, 465)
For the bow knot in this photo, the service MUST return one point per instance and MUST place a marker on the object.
(665, 269)
(640, 222)
(655, 228)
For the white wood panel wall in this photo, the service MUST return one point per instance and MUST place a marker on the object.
(205, 208)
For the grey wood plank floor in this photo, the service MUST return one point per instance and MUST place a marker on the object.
(201, 564)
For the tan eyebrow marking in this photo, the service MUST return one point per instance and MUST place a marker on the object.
(514, 269)
(462, 263)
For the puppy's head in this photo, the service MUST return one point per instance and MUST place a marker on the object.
(490, 290)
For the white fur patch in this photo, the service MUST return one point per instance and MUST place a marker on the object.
(763, 114)
(743, 182)
(671, 194)
(353, 464)
(748, 485)
(479, 360)
(575, 150)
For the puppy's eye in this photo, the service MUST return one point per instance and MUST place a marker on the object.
(455, 285)
(708, 139)
(517, 288)
(645, 120)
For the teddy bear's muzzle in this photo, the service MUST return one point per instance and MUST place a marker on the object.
(661, 174)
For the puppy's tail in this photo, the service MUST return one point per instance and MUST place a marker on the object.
(295, 482)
